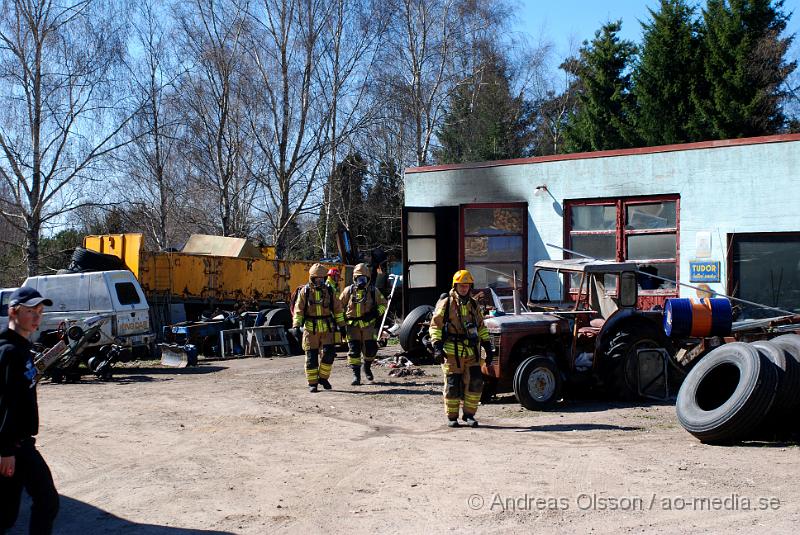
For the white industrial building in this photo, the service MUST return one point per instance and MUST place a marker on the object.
(722, 213)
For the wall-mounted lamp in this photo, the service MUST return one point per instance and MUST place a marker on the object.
(540, 190)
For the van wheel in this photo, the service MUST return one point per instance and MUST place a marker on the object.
(537, 383)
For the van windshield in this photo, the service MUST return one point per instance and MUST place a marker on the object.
(126, 293)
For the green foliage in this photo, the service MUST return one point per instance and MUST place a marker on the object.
(606, 107)
(745, 67)
(56, 252)
(13, 268)
(669, 66)
(484, 120)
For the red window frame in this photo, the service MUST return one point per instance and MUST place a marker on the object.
(621, 234)
(523, 206)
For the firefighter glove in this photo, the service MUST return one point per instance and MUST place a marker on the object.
(487, 347)
(438, 352)
(297, 332)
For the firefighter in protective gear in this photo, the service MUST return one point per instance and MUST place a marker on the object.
(333, 279)
(457, 333)
(363, 307)
(333, 282)
(319, 311)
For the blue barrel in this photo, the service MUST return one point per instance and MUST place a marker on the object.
(721, 317)
(706, 317)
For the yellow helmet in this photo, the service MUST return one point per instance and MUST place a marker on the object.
(360, 269)
(317, 270)
(463, 276)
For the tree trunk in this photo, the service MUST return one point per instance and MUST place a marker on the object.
(32, 245)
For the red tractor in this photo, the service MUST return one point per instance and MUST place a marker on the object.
(581, 331)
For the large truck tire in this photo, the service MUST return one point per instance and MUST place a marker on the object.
(727, 394)
(412, 331)
(537, 383)
(85, 260)
(790, 343)
(777, 355)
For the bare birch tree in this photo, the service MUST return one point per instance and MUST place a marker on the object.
(291, 133)
(57, 61)
(352, 38)
(430, 50)
(217, 99)
(149, 178)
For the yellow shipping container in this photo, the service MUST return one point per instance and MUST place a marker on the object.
(175, 277)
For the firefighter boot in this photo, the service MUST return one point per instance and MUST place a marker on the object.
(312, 388)
(368, 371)
(470, 420)
(356, 375)
(453, 422)
(325, 383)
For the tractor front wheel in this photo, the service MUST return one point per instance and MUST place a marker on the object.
(537, 383)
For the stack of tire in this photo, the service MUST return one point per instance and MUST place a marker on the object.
(741, 388)
(86, 260)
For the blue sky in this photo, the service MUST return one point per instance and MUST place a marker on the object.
(562, 21)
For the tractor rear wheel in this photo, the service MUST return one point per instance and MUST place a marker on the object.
(621, 360)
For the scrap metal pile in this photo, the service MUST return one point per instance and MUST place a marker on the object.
(400, 366)
(67, 359)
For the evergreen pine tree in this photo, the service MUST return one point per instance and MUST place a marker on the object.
(668, 67)
(384, 204)
(605, 112)
(344, 201)
(745, 67)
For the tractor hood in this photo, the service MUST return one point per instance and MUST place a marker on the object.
(528, 322)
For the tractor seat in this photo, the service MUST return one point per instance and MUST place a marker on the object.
(597, 322)
(591, 330)
(588, 332)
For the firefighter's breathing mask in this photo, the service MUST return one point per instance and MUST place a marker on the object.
(472, 332)
(361, 281)
(318, 282)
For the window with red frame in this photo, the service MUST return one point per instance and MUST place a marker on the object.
(643, 230)
(495, 244)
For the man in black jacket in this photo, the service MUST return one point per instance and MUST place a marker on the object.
(21, 465)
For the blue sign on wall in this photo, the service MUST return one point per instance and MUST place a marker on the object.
(704, 272)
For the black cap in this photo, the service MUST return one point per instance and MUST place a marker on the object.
(28, 297)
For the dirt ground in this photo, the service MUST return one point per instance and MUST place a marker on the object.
(240, 446)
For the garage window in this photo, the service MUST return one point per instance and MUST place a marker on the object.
(643, 230)
(421, 249)
(494, 243)
(651, 240)
(766, 270)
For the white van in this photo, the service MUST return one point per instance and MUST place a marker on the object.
(80, 296)
(5, 297)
